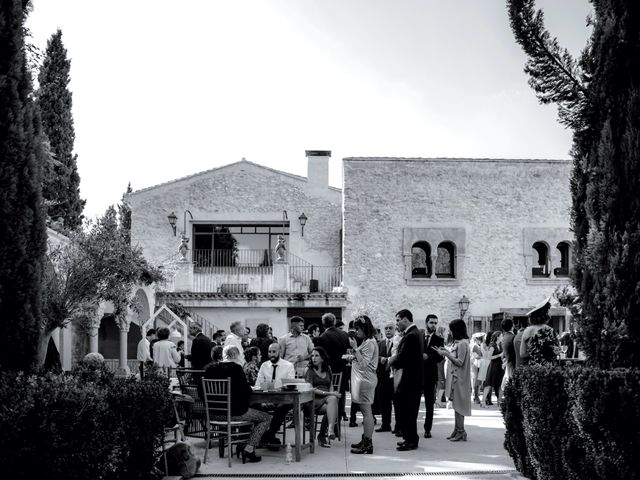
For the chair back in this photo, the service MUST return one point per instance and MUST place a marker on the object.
(217, 398)
(336, 380)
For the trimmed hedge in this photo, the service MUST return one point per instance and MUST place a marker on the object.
(87, 424)
(573, 422)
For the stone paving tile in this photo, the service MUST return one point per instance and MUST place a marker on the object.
(483, 454)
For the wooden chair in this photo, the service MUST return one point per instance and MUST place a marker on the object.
(192, 413)
(217, 401)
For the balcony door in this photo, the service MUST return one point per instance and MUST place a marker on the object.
(230, 244)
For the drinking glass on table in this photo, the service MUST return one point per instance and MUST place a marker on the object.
(564, 349)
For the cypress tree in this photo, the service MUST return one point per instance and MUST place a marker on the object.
(599, 98)
(22, 229)
(61, 188)
(124, 215)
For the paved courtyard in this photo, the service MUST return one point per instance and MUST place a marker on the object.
(482, 456)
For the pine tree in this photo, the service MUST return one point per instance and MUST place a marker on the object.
(61, 187)
(22, 230)
(599, 98)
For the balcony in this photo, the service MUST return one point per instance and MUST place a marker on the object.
(252, 271)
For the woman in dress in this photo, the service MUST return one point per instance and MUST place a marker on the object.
(364, 379)
(495, 371)
(319, 375)
(458, 377)
(251, 367)
(262, 341)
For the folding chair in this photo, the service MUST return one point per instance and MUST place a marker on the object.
(192, 413)
(217, 402)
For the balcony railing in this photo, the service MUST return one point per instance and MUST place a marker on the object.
(251, 271)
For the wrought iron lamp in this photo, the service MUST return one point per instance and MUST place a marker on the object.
(303, 222)
(172, 221)
(463, 303)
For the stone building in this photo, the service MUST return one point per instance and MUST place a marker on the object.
(422, 233)
(215, 234)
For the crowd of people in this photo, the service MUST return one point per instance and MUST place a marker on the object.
(387, 371)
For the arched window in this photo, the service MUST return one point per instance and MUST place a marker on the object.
(540, 260)
(445, 267)
(563, 269)
(421, 260)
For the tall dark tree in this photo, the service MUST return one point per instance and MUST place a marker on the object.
(124, 215)
(599, 98)
(61, 187)
(22, 229)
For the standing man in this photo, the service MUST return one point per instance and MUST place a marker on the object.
(272, 372)
(508, 351)
(430, 358)
(385, 377)
(517, 340)
(144, 350)
(200, 348)
(336, 342)
(409, 361)
(236, 338)
(295, 346)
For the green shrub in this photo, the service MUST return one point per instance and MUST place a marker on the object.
(573, 423)
(83, 425)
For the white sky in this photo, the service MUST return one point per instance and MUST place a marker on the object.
(163, 89)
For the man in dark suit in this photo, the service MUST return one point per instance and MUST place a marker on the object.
(385, 378)
(200, 349)
(508, 350)
(336, 342)
(430, 358)
(409, 390)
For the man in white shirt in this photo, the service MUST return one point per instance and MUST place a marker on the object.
(272, 372)
(296, 347)
(235, 338)
(144, 350)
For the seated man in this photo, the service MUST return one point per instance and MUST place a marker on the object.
(271, 373)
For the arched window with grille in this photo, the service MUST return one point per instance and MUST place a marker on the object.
(421, 260)
(563, 269)
(445, 262)
(540, 260)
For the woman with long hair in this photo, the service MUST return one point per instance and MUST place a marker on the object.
(262, 340)
(364, 378)
(319, 375)
(458, 377)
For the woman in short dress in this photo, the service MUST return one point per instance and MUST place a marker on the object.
(458, 377)
(319, 375)
(364, 378)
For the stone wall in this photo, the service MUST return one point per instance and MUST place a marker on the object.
(240, 191)
(494, 201)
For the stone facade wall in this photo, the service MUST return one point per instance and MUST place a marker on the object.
(493, 200)
(240, 191)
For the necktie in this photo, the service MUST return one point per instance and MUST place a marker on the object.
(388, 346)
(273, 375)
(428, 340)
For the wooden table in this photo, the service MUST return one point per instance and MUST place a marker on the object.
(297, 399)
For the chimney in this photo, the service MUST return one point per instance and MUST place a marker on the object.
(318, 169)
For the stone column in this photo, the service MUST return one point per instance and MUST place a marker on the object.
(93, 330)
(280, 276)
(184, 276)
(123, 368)
(434, 259)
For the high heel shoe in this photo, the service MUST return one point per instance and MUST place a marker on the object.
(453, 434)
(251, 457)
(460, 436)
